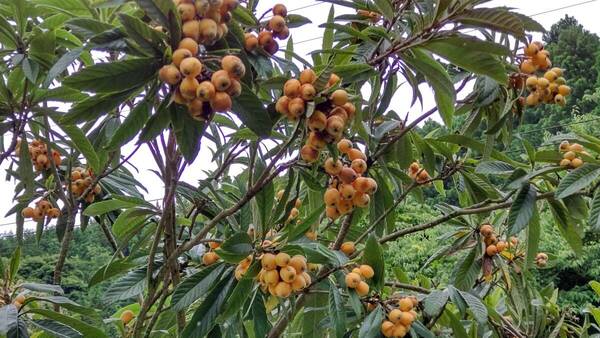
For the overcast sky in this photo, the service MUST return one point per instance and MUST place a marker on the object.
(586, 14)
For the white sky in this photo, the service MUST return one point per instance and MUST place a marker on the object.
(585, 14)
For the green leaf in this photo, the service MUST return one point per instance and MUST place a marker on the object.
(188, 132)
(164, 12)
(386, 8)
(498, 19)
(241, 292)
(595, 286)
(566, 226)
(109, 270)
(477, 308)
(46, 288)
(458, 329)
(373, 256)
(65, 303)
(83, 145)
(533, 238)
(133, 123)
(522, 209)
(337, 312)
(594, 220)
(494, 168)
(8, 317)
(252, 112)
(15, 261)
(143, 34)
(466, 270)
(85, 329)
(56, 329)
(298, 230)
(129, 221)
(577, 179)
(61, 65)
(469, 59)
(204, 318)
(465, 141)
(114, 76)
(295, 20)
(102, 207)
(435, 302)
(156, 124)
(92, 107)
(438, 79)
(128, 286)
(235, 248)
(244, 16)
(371, 326)
(196, 286)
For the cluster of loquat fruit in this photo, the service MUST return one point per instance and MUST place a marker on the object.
(493, 245)
(276, 28)
(571, 154)
(400, 319)
(417, 173)
(347, 187)
(42, 209)
(204, 22)
(81, 180)
(211, 257)
(550, 87)
(38, 152)
(354, 280)
(541, 260)
(295, 211)
(281, 274)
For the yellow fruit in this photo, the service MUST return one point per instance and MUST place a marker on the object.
(387, 328)
(235, 89)
(221, 102)
(359, 165)
(353, 154)
(191, 29)
(282, 104)
(307, 92)
(406, 319)
(277, 23)
(331, 197)
(486, 230)
(362, 289)
(127, 316)
(576, 163)
(205, 91)
(564, 146)
(316, 141)
(394, 316)
(208, 30)
(570, 155)
(189, 44)
(543, 83)
(347, 191)
(550, 76)
(348, 248)
(268, 261)
(188, 87)
(287, 274)
(20, 298)
(527, 67)
(501, 246)
(296, 107)
(367, 271)
(333, 167)
(220, 79)
(27, 213)
(576, 147)
(491, 250)
(564, 90)
(348, 175)
(292, 88)
(250, 42)
(344, 146)
(308, 76)
(531, 82)
(234, 66)
(361, 200)
(186, 11)
(282, 259)
(332, 213)
(531, 49)
(190, 67)
(169, 74)
(405, 304)
(298, 203)
(352, 280)
(299, 283)
(317, 121)
(209, 258)
(271, 277)
(309, 154)
(333, 79)
(298, 263)
(339, 97)
(283, 289)
(559, 100)
(399, 331)
(532, 99)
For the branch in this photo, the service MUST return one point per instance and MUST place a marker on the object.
(404, 286)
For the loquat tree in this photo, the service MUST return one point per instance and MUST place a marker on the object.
(287, 236)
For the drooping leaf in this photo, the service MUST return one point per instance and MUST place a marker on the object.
(373, 256)
(85, 329)
(126, 287)
(235, 248)
(594, 220)
(337, 313)
(522, 209)
(371, 327)
(196, 286)
(56, 329)
(252, 112)
(131, 126)
(577, 180)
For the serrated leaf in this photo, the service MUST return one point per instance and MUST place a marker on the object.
(46, 288)
(594, 220)
(127, 287)
(56, 329)
(499, 19)
(241, 292)
(533, 238)
(115, 76)
(164, 12)
(85, 329)
(435, 302)
(196, 286)
(371, 326)
(252, 112)
(577, 180)
(188, 132)
(522, 209)
(477, 308)
(92, 107)
(109, 270)
(235, 248)
(494, 168)
(337, 313)
(373, 256)
(466, 270)
(102, 207)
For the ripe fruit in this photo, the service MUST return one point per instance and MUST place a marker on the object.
(576, 163)
(186, 11)
(283, 290)
(394, 316)
(308, 76)
(531, 49)
(347, 191)
(280, 9)
(491, 250)
(405, 304)
(292, 88)
(335, 125)
(169, 74)
(287, 274)
(550, 76)
(209, 258)
(298, 263)
(348, 248)
(127, 316)
(235, 89)
(353, 154)
(486, 230)
(570, 155)
(307, 92)
(271, 276)
(333, 79)
(564, 146)
(564, 90)
(265, 38)
(527, 67)
(317, 121)
(220, 79)
(188, 87)
(277, 23)
(296, 107)
(331, 197)
(309, 154)
(208, 30)
(501, 246)
(361, 200)
(339, 97)
(282, 104)
(189, 44)
(399, 331)
(359, 165)
(191, 29)
(283, 34)
(352, 280)
(221, 102)
(205, 91)
(268, 261)
(560, 100)
(234, 66)
(190, 67)
(406, 319)
(348, 175)
(387, 328)
(367, 271)
(250, 42)
(362, 289)
(333, 167)
(282, 259)
(344, 146)
(29, 212)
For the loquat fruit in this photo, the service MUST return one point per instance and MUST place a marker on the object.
(354, 154)
(169, 74)
(339, 97)
(250, 42)
(361, 200)
(191, 67)
(282, 104)
(188, 87)
(332, 213)
(209, 258)
(344, 146)
(127, 316)
(405, 304)
(309, 154)
(331, 197)
(335, 125)
(191, 29)
(208, 30)
(277, 23)
(268, 261)
(333, 167)
(298, 263)
(316, 141)
(287, 274)
(205, 91)
(576, 162)
(486, 230)
(280, 9)
(308, 76)
(527, 67)
(283, 289)
(394, 316)
(362, 289)
(347, 191)
(28, 212)
(296, 107)
(570, 155)
(317, 121)
(234, 66)
(367, 271)
(221, 102)
(352, 280)
(387, 328)
(348, 248)
(307, 92)
(235, 89)
(399, 331)
(359, 165)
(292, 88)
